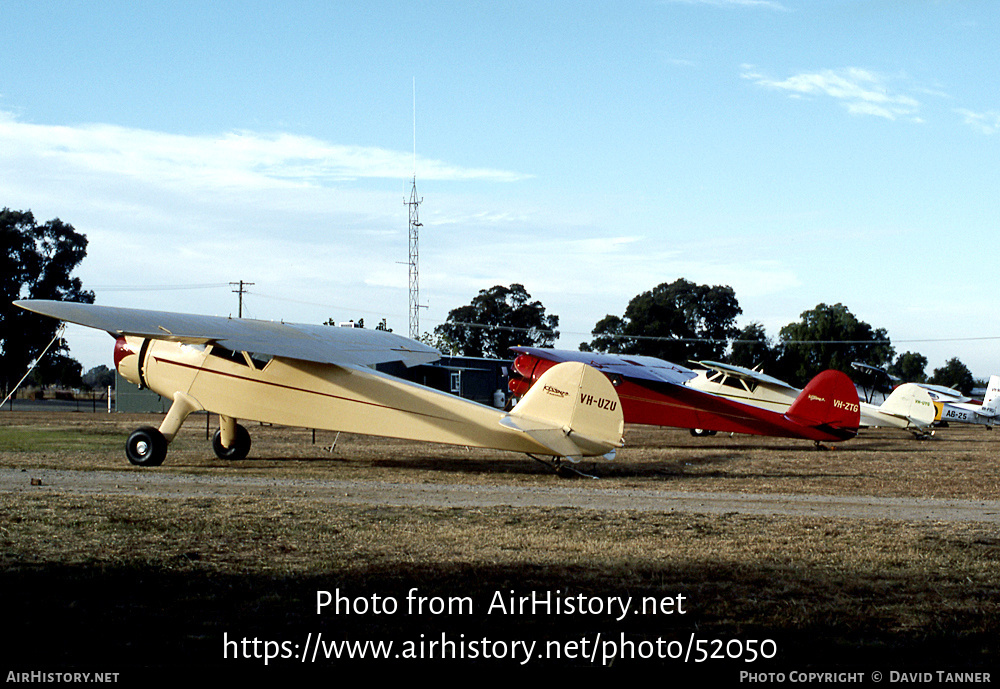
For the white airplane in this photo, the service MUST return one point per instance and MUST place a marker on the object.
(909, 406)
(954, 407)
(318, 376)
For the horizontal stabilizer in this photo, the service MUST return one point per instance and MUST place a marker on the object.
(829, 401)
(911, 402)
(573, 410)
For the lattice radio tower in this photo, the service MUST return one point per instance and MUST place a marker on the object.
(414, 263)
(414, 203)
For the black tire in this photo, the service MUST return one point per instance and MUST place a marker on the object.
(146, 447)
(701, 432)
(240, 448)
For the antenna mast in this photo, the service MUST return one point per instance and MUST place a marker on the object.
(413, 204)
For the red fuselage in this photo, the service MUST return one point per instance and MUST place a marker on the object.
(667, 404)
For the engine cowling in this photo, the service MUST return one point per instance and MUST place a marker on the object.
(127, 359)
(528, 369)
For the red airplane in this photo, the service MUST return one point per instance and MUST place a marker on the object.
(652, 391)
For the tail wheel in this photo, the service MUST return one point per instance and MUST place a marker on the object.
(701, 432)
(240, 448)
(146, 447)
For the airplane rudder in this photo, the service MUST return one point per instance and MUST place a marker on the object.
(575, 396)
(912, 401)
(829, 399)
(991, 401)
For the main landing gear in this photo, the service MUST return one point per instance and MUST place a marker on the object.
(239, 448)
(147, 446)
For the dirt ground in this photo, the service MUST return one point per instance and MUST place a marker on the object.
(875, 555)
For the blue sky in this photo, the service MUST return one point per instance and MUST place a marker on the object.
(800, 152)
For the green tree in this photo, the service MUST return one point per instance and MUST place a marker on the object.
(910, 367)
(829, 337)
(99, 377)
(36, 263)
(609, 336)
(497, 319)
(752, 347)
(954, 374)
(675, 321)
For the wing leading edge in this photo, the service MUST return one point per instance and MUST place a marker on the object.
(317, 343)
(625, 365)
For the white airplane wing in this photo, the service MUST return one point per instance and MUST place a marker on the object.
(940, 393)
(318, 343)
(746, 373)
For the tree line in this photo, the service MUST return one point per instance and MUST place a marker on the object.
(683, 322)
(678, 321)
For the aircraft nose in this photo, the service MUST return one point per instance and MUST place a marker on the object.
(127, 360)
(518, 386)
(524, 364)
(122, 350)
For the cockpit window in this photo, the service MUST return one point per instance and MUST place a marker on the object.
(259, 361)
(249, 359)
(739, 383)
(228, 355)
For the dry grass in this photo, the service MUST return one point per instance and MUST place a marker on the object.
(143, 580)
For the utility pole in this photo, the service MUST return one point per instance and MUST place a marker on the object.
(241, 291)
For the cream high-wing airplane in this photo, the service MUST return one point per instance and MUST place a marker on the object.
(909, 406)
(318, 376)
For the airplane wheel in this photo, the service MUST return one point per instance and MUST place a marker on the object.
(239, 450)
(701, 432)
(146, 447)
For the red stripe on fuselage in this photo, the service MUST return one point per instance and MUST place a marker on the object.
(283, 386)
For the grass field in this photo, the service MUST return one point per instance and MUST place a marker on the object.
(133, 582)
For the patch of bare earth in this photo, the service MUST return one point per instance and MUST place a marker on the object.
(134, 578)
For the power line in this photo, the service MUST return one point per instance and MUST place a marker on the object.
(662, 338)
(156, 288)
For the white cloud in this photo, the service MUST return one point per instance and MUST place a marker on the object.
(162, 209)
(987, 122)
(860, 91)
(247, 160)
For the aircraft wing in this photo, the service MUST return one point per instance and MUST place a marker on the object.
(747, 373)
(318, 343)
(625, 365)
(652, 391)
(940, 393)
(873, 371)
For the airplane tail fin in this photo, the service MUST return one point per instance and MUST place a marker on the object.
(829, 401)
(991, 402)
(573, 410)
(911, 402)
